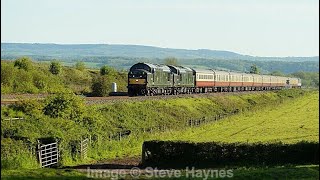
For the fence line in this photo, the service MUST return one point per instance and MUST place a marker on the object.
(118, 136)
(13, 119)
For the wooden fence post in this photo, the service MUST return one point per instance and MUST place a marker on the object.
(81, 149)
(143, 155)
(39, 153)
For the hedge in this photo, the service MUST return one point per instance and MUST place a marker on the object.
(208, 154)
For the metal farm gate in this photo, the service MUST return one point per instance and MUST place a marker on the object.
(48, 154)
(84, 148)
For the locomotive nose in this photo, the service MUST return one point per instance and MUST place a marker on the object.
(137, 81)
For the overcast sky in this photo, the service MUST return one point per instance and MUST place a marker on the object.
(252, 27)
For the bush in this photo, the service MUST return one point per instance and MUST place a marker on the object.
(67, 106)
(101, 86)
(107, 70)
(80, 66)
(29, 107)
(23, 83)
(78, 81)
(23, 63)
(40, 80)
(55, 68)
(7, 74)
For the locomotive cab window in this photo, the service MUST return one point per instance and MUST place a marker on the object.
(137, 74)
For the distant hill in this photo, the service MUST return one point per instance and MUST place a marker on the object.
(124, 56)
(137, 51)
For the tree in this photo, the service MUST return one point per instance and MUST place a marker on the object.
(101, 86)
(80, 66)
(23, 63)
(8, 73)
(107, 70)
(254, 69)
(277, 73)
(171, 61)
(55, 67)
(309, 79)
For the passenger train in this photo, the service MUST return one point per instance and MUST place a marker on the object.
(154, 79)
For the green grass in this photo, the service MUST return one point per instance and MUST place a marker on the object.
(294, 172)
(294, 120)
(290, 122)
(100, 121)
(50, 174)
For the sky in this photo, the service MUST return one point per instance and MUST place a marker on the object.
(250, 27)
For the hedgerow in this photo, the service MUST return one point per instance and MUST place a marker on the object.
(213, 154)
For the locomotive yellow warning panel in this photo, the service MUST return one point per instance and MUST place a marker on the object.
(137, 81)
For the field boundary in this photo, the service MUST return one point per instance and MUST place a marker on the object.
(175, 154)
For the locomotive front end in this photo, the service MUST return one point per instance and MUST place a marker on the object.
(137, 82)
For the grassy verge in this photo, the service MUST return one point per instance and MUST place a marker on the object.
(50, 174)
(294, 172)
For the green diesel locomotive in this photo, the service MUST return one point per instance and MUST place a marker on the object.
(152, 79)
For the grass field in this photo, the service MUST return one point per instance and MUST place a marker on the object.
(290, 122)
(294, 120)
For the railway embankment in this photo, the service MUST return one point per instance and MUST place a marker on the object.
(113, 130)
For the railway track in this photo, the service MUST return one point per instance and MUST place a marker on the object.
(11, 99)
